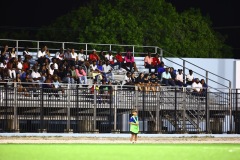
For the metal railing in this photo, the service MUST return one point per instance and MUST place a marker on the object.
(80, 110)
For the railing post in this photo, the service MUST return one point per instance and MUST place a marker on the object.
(110, 47)
(184, 67)
(95, 109)
(68, 111)
(230, 109)
(175, 109)
(37, 46)
(41, 112)
(63, 45)
(143, 109)
(206, 77)
(17, 46)
(86, 49)
(158, 124)
(15, 119)
(161, 54)
(184, 110)
(156, 50)
(237, 115)
(133, 51)
(207, 112)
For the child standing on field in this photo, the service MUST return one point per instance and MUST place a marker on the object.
(134, 126)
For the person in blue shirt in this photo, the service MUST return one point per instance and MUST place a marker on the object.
(167, 78)
(134, 126)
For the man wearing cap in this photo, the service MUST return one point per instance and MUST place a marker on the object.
(93, 56)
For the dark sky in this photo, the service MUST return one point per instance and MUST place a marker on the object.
(35, 13)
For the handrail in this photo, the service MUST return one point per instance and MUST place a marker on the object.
(201, 68)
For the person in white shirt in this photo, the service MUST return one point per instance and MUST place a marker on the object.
(36, 76)
(19, 64)
(190, 78)
(27, 54)
(107, 71)
(110, 58)
(13, 53)
(51, 69)
(74, 55)
(197, 87)
(54, 62)
(81, 57)
(42, 55)
(179, 78)
(60, 55)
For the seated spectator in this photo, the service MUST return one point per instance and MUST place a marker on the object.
(67, 74)
(74, 57)
(67, 55)
(26, 54)
(20, 87)
(41, 55)
(74, 74)
(26, 65)
(119, 60)
(127, 80)
(140, 81)
(109, 57)
(107, 71)
(95, 72)
(94, 57)
(13, 53)
(179, 79)
(148, 62)
(81, 57)
(204, 87)
(102, 57)
(129, 61)
(172, 72)
(82, 75)
(51, 70)
(154, 83)
(190, 78)
(146, 83)
(167, 79)
(48, 55)
(19, 65)
(56, 86)
(60, 54)
(54, 62)
(156, 62)
(197, 87)
(160, 70)
(36, 76)
(12, 66)
(3, 70)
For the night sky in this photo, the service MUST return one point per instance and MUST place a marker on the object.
(35, 13)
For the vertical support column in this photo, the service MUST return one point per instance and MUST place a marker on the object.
(184, 71)
(68, 130)
(207, 112)
(230, 109)
(115, 112)
(156, 50)
(237, 118)
(63, 45)
(15, 119)
(184, 110)
(110, 47)
(86, 49)
(143, 109)
(206, 77)
(136, 97)
(95, 109)
(158, 125)
(175, 110)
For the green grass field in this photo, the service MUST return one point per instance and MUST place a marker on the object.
(119, 151)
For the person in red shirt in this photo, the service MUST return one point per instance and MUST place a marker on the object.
(93, 56)
(156, 62)
(119, 60)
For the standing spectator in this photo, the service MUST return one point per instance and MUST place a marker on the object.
(190, 78)
(119, 60)
(5, 54)
(19, 64)
(148, 62)
(129, 59)
(12, 66)
(74, 57)
(167, 79)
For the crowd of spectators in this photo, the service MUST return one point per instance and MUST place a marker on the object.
(70, 67)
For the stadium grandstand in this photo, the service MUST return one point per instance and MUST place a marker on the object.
(74, 87)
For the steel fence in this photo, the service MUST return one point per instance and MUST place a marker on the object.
(107, 109)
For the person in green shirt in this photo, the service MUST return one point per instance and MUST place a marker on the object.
(134, 126)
